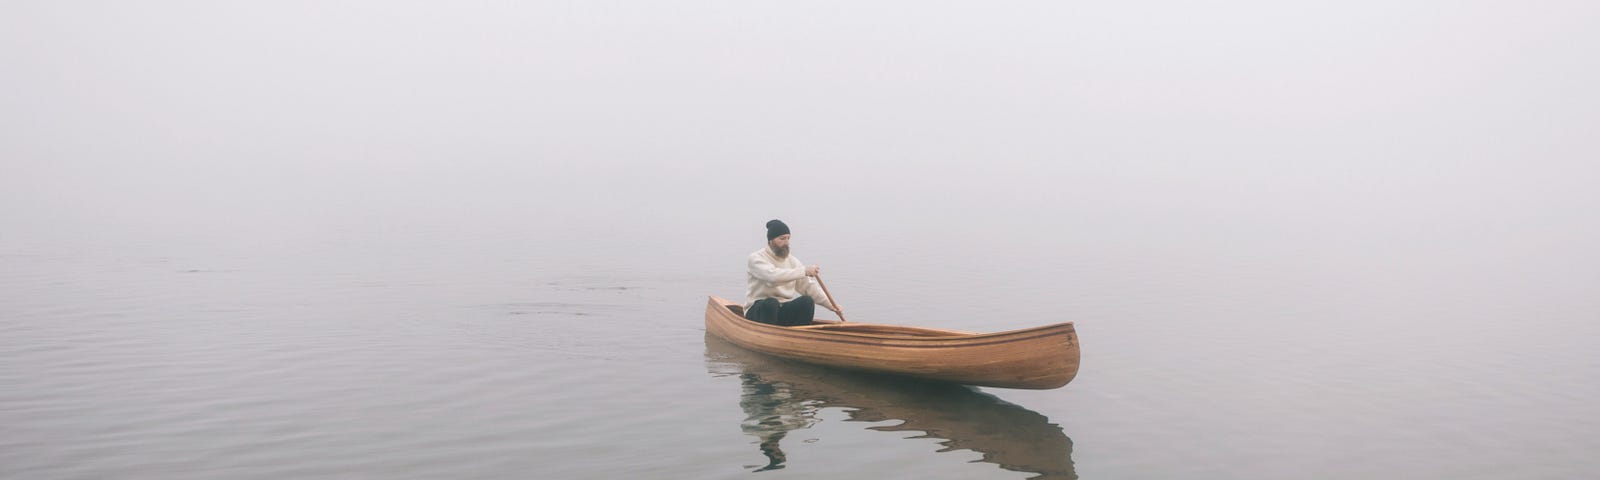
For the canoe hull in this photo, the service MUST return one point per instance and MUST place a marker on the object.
(1035, 358)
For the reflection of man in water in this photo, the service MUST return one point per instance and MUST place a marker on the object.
(771, 411)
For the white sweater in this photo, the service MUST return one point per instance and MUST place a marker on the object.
(784, 280)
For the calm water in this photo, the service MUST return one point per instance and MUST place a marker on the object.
(377, 241)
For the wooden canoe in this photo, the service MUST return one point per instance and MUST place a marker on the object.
(1034, 358)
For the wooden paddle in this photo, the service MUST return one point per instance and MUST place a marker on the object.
(830, 296)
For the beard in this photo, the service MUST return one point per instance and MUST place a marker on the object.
(780, 252)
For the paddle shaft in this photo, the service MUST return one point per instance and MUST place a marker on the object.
(830, 296)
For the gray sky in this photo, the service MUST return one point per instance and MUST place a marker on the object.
(181, 112)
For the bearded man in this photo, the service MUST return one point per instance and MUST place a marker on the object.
(782, 290)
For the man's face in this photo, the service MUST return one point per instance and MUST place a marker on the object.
(779, 245)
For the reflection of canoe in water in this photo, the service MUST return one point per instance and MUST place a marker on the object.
(1039, 358)
(780, 396)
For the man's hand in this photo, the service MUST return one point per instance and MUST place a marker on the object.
(813, 270)
(838, 309)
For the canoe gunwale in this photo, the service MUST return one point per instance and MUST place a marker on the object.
(952, 334)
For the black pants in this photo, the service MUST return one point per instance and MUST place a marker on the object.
(799, 311)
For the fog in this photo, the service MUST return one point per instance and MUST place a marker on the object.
(136, 115)
(1344, 237)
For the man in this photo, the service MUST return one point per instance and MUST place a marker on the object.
(781, 289)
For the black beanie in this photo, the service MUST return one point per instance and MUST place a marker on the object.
(776, 228)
